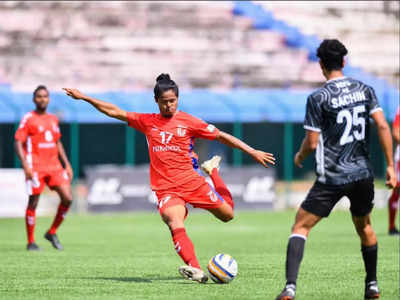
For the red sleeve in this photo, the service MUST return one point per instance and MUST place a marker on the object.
(22, 132)
(137, 121)
(201, 129)
(396, 122)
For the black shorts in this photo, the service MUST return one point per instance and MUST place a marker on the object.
(323, 197)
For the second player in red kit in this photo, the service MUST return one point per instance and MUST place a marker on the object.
(173, 176)
(38, 146)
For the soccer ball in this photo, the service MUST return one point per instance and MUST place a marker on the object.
(222, 268)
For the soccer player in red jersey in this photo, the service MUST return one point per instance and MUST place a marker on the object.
(38, 146)
(394, 198)
(170, 136)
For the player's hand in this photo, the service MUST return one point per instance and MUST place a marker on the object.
(74, 93)
(69, 171)
(263, 158)
(298, 160)
(28, 173)
(391, 180)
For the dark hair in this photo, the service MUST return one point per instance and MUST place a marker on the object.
(331, 53)
(165, 83)
(40, 87)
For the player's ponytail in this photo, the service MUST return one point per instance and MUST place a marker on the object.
(331, 53)
(165, 83)
(40, 87)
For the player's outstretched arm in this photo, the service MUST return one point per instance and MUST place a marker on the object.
(308, 145)
(261, 157)
(20, 153)
(64, 159)
(385, 138)
(107, 108)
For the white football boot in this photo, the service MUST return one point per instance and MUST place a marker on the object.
(210, 164)
(191, 273)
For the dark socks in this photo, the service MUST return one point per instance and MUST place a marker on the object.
(370, 257)
(294, 255)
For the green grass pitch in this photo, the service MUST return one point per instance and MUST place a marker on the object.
(131, 256)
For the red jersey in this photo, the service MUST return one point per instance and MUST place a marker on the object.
(170, 142)
(39, 134)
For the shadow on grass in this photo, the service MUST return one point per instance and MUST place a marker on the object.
(178, 280)
(135, 279)
(14, 249)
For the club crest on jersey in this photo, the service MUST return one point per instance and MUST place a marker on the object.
(181, 131)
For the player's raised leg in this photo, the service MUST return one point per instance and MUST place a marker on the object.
(30, 222)
(211, 167)
(64, 192)
(295, 249)
(225, 211)
(174, 217)
(369, 249)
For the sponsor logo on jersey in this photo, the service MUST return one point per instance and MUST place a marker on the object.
(166, 148)
(46, 145)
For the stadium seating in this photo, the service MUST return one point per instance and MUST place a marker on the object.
(122, 47)
(373, 44)
(106, 46)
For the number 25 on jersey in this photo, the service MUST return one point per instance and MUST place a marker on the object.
(351, 120)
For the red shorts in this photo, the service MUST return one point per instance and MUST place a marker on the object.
(397, 170)
(52, 179)
(203, 197)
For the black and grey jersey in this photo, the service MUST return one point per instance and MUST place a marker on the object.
(340, 111)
